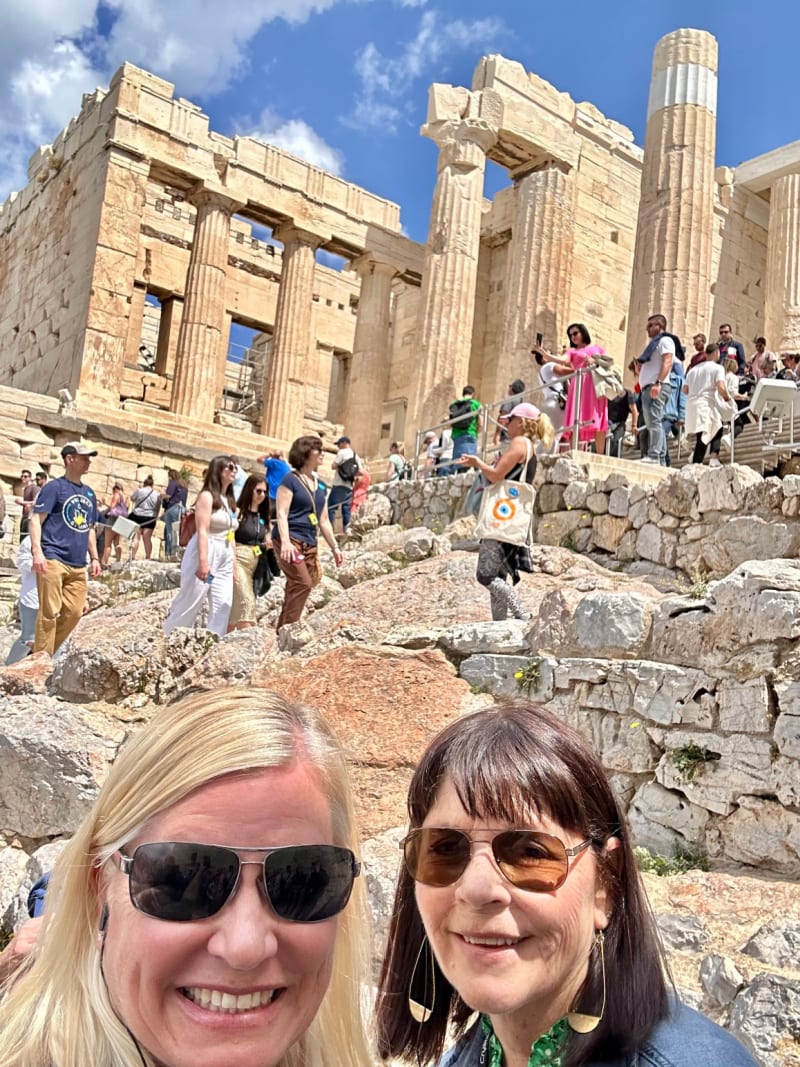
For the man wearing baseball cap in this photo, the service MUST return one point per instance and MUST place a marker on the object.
(62, 533)
(346, 466)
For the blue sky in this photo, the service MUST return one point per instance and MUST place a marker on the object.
(344, 82)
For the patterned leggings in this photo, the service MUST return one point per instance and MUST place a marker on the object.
(492, 572)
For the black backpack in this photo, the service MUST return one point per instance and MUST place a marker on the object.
(406, 473)
(680, 352)
(461, 411)
(348, 469)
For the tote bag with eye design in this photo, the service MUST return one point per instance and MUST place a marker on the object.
(507, 508)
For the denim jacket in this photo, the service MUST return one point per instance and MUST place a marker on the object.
(685, 1039)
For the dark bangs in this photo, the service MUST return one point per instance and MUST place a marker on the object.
(514, 762)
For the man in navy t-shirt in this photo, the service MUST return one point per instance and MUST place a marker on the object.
(62, 534)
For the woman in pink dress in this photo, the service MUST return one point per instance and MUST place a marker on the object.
(593, 414)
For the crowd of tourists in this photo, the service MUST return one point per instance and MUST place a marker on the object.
(664, 402)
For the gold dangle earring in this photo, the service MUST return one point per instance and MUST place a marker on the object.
(585, 1024)
(421, 1013)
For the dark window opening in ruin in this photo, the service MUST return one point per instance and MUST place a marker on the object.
(246, 369)
(149, 334)
(254, 235)
(337, 391)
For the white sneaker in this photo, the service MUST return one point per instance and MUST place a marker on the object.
(714, 462)
(649, 459)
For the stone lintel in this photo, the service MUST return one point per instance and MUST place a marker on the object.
(534, 165)
(760, 173)
(288, 232)
(206, 193)
(370, 262)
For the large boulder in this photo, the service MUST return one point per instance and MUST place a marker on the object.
(53, 758)
(385, 704)
(123, 652)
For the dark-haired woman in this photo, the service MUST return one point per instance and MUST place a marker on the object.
(301, 516)
(593, 415)
(145, 505)
(251, 540)
(174, 501)
(207, 567)
(520, 899)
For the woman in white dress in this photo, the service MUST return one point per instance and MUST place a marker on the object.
(705, 383)
(208, 564)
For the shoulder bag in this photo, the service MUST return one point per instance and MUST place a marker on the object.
(507, 508)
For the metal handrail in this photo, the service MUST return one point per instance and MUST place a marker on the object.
(485, 415)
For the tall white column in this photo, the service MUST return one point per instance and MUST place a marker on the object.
(674, 235)
(197, 385)
(782, 312)
(284, 394)
(368, 378)
(447, 300)
(539, 274)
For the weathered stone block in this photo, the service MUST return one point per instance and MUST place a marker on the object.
(608, 531)
(597, 503)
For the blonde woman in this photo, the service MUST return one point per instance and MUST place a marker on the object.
(202, 914)
(526, 427)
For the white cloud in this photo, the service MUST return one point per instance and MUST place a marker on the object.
(200, 44)
(298, 138)
(51, 52)
(386, 81)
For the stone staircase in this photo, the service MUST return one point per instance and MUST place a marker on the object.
(750, 450)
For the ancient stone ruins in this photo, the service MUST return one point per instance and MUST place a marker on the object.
(140, 226)
(689, 691)
(665, 606)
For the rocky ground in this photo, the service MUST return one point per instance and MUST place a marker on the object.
(371, 654)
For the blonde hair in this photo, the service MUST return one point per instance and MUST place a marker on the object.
(540, 429)
(57, 1012)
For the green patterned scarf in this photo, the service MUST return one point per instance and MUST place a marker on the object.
(547, 1051)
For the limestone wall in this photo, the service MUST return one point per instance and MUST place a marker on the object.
(48, 234)
(701, 520)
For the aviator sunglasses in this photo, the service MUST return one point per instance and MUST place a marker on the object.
(180, 881)
(539, 862)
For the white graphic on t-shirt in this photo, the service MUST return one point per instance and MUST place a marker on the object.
(77, 513)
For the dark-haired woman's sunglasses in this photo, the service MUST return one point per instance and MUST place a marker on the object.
(180, 881)
(538, 862)
(229, 467)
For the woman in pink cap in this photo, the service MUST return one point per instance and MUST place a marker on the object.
(526, 427)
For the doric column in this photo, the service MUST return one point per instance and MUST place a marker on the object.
(197, 387)
(447, 299)
(284, 394)
(539, 270)
(672, 258)
(168, 331)
(368, 380)
(782, 317)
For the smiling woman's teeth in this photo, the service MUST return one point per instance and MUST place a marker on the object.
(493, 942)
(214, 1000)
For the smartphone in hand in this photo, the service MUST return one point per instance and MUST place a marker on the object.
(209, 579)
(539, 338)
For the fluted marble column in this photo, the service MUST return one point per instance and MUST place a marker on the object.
(197, 386)
(284, 393)
(539, 269)
(447, 300)
(782, 313)
(369, 367)
(674, 235)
